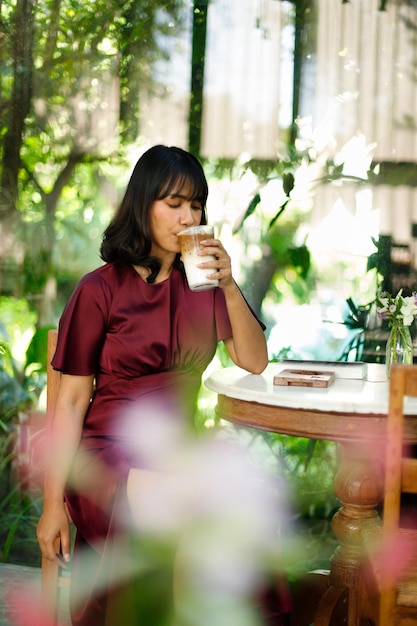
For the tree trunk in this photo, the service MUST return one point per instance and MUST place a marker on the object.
(39, 278)
(20, 104)
(197, 76)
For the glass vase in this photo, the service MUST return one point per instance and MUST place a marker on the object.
(399, 345)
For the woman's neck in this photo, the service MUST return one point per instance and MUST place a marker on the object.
(164, 272)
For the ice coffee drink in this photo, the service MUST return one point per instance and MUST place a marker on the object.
(190, 244)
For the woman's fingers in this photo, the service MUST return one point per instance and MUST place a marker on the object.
(221, 266)
(49, 529)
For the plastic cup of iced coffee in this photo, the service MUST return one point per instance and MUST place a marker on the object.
(190, 239)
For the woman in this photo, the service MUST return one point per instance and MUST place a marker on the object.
(135, 331)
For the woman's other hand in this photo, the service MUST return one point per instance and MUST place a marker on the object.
(54, 523)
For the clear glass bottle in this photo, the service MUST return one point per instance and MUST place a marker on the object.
(399, 345)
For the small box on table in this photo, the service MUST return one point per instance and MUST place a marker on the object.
(304, 378)
(342, 369)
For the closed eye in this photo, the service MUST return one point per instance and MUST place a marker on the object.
(177, 205)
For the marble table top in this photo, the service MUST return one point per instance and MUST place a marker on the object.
(363, 396)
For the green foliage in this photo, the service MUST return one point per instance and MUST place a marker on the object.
(251, 208)
(13, 394)
(267, 171)
(79, 39)
(272, 230)
(309, 468)
(22, 378)
(23, 374)
(84, 72)
(290, 263)
(300, 259)
(19, 514)
(22, 369)
(380, 260)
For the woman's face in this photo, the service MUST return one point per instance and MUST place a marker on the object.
(170, 215)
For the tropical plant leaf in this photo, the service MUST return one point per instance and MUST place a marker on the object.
(288, 183)
(301, 259)
(251, 209)
(278, 214)
(36, 352)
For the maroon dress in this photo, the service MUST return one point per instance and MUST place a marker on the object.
(142, 342)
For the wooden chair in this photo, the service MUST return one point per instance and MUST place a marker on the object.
(53, 577)
(393, 547)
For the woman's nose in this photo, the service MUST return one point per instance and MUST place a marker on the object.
(187, 216)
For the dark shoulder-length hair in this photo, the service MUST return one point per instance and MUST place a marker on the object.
(160, 171)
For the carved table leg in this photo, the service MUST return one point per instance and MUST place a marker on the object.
(359, 486)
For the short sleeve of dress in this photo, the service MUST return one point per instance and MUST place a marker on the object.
(223, 327)
(82, 327)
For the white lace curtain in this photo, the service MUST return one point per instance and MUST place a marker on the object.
(359, 80)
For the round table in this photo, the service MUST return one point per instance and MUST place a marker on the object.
(349, 411)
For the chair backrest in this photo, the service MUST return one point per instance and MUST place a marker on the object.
(400, 478)
(53, 579)
(53, 377)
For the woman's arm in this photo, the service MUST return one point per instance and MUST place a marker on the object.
(62, 440)
(247, 345)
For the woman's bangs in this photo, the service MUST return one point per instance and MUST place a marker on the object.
(186, 185)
